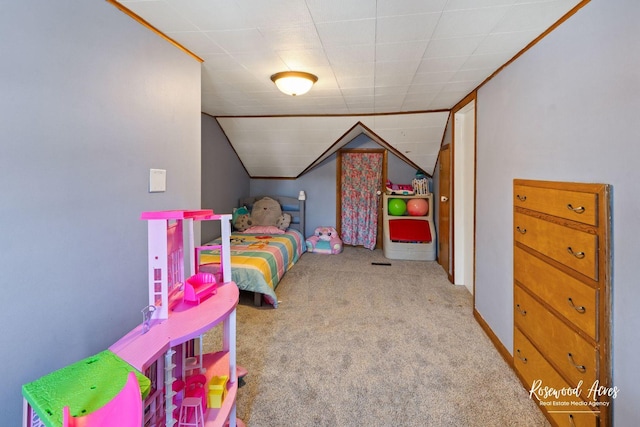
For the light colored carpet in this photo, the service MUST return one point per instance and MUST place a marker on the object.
(354, 344)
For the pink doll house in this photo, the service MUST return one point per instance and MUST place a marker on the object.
(165, 351)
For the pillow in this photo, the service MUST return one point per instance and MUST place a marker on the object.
(264, 229)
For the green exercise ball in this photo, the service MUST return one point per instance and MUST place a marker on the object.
(397, 207)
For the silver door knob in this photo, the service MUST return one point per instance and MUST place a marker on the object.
(444, 199)
(378, 192)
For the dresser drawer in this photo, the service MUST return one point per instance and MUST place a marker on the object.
(575, 357)
(576, 301)
(574, 248)
(535, 370)
(573, 205)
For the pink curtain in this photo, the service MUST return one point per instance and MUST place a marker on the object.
(361, 174)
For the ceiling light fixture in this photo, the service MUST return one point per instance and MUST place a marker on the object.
(294, 83)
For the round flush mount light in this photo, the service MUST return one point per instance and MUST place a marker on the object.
(294, 83)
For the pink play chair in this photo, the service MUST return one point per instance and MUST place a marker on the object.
(124, 410)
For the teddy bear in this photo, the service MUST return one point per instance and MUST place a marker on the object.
(265, 212)
(324, 240)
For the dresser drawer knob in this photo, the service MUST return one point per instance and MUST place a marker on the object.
(578, 255)
(578, 210)
(524, 359)
(571, 423)
(581, 368)
(521, 230)
(521, 311)
(579, 308)
(521, 198)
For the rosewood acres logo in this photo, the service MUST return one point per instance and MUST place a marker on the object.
(567, 396)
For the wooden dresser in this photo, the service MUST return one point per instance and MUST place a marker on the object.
(561, 298)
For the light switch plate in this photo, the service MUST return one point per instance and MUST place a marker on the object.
(157, 180)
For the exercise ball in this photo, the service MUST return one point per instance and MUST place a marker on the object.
(397, 207)
(418, 207)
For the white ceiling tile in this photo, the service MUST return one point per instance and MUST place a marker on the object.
(371, 56)
(468, 22)
(338, 56)
(344, 33)
(358, 86)
(441, 65)
(406, 28)
(306, 59)
(476, 4)
(409, 7)
(457, 46)
(434, 79)
(408, 51)
(211, 14)
(238, 41)
(271, 14)
(340, 10)
(296, 37)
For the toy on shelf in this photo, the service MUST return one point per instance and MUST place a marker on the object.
(217, 391)
(199, 286)
(402, 189)
(191, 413)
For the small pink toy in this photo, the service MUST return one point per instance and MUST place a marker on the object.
(199, 286)
(401, 189)
(325, 240)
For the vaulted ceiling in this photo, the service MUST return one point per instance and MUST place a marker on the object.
(376, 61)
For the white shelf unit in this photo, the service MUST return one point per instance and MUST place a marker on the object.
(412, 237)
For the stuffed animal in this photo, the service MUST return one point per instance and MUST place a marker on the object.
(242, 222)
(325, 240)
(265, 212)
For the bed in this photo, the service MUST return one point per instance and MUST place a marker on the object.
(259, 260)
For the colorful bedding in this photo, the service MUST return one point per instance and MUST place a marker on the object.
(258, 261)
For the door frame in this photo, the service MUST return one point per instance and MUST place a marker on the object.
(457, 168)
(383, 179)
(464, 193)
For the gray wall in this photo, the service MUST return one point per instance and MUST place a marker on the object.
(91, 100)
(224, 179)
(567, 110)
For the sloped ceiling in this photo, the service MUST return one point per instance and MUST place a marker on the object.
(370, 56)
(287, 146)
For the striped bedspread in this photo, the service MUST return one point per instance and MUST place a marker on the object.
(259, 261)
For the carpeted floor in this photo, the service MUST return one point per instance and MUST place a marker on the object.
(355, 344)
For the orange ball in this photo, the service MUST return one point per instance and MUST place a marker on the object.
(418, 207)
